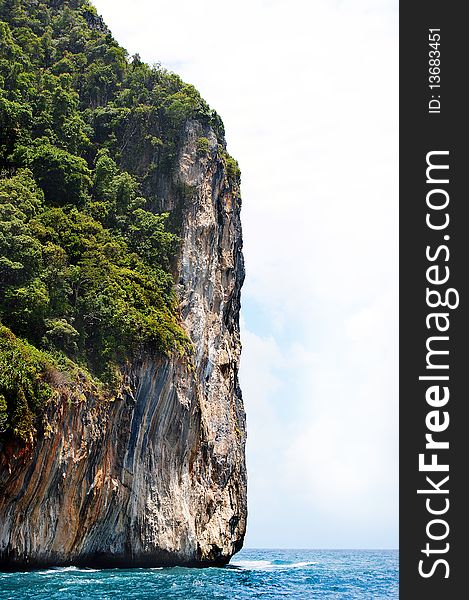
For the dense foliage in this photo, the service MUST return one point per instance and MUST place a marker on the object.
(25, 373)
(84, 258)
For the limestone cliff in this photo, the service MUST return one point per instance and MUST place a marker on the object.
(155, 475)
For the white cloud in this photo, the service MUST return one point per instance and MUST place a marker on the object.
(308, 93)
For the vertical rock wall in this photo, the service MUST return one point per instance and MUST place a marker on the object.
(156, 476)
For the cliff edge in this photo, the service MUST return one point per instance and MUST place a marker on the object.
(154, 473)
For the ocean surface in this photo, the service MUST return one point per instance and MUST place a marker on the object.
(265, 574)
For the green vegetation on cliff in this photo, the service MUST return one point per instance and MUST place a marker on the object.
(84, 258)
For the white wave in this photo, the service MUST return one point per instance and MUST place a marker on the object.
(267, 564)
(54, 570)
(252, 564)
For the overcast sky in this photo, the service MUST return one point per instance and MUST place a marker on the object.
(308, 93)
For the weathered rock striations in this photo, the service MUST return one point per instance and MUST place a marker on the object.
(156, 476)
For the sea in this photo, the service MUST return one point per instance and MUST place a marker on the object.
(264, 574)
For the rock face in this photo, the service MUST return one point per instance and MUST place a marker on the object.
(156, 476)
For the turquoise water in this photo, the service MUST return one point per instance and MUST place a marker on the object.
(264, 574)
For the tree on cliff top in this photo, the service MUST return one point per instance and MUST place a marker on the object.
(84, 260)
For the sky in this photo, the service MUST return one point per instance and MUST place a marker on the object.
(308, 92)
